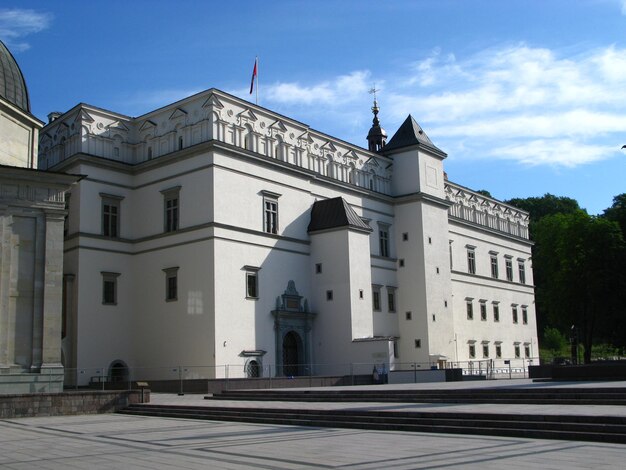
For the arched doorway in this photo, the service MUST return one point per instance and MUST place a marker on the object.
(253, 369)
(292, 353)
(118, 372)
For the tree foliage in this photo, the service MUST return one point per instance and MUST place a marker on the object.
(578, 264)
(580, 259)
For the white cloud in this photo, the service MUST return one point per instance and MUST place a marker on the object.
(17, 23)
(515, 102)
(336, 92)
(555, 152)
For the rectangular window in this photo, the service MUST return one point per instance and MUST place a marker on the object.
(110, 215)
(498, 351)
(517, 352)
(485, 350)
(524, 315)
(509, 269)
(252, 282)
(391, 299)
(522, 271)
(383, 239)
(494, 266)
(318, 268)
(395, 349)
(514, 312)
(471, 261)
(483, 311)
(171, 284)
(171, 204)
(527, 350)
(496, 312)
(408, 315)
(418, 343)
(470, 310)
(270, 212)
(109, 288)
(376, 298)
(271, 216)
(329, 295)
(472, 351)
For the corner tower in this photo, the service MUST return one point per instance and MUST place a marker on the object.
(421, 215)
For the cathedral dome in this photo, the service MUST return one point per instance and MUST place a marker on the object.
(12, 83)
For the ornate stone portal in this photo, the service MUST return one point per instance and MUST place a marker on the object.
(292, 325)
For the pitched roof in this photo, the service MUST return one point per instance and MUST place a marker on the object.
(410, 133)
(334, 213)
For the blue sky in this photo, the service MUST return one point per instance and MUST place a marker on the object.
(526, 97)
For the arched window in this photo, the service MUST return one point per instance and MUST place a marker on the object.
(253, 369)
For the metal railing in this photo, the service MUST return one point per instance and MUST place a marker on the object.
(208, 379)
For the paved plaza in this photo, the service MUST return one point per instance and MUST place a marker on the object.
(114, 441)
(127, 442)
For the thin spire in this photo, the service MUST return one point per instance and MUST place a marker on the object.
(377, 137)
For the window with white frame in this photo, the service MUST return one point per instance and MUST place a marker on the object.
(483, 310)
(514, 313)
(517, 350)
(496, 312)
(469, 307)
(252, 282)
(110, 215)
(471, 259)
(526, 350)
(171, 204)
(383, 239)
(524, 315)
(171, 284)
(498, 351)
(521, 269)
(270, 212)
(494, 264)
(508, 262)
(485, 350)
(376, 297)
(109, 287)
(472, 351)
(391, 299)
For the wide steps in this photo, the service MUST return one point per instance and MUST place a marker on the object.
(528, 396)
(585, 428)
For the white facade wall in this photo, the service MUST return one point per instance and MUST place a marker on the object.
(234, 156)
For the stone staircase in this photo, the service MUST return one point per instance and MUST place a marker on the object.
(567, 426)
(521, 396)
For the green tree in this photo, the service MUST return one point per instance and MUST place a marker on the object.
(553, 340)
(617, 212)
(581, 261)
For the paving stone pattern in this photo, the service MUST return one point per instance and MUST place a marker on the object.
(128, 442)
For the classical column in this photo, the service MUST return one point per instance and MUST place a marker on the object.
(5, 276)
(53, 289)
(39, 238)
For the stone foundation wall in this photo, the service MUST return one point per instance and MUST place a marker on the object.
(68, 403)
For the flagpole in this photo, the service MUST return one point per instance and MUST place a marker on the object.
(257, 80)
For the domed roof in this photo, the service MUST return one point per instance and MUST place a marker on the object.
(12, 84)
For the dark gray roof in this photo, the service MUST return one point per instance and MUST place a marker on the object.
(334, 213)
(12, 84)
(410, 133)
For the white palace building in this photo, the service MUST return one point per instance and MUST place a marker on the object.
(213, 232)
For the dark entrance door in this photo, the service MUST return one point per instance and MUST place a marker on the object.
(291, 353)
